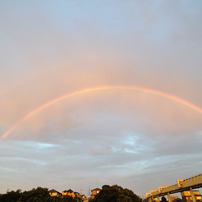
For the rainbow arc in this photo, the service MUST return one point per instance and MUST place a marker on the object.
(103, 88)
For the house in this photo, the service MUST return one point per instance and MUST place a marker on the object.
(53, 193)
(186, 196)
(174, 198)
(68, 193)
(83, 197)
(77, 194)
(94, 192)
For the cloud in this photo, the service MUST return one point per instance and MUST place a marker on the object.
(135, 139)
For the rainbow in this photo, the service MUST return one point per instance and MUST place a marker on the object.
(84, 91)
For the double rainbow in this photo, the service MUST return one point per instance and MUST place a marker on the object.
(84, 91)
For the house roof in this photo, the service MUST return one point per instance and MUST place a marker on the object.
(53, 190)
(69, 191)
(96, 189)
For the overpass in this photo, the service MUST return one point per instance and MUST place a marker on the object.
(182, 185)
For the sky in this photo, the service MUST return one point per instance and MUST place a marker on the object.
(137, 139)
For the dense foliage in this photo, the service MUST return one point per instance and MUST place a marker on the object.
(163, 199)
(115, 193)
(39, 194)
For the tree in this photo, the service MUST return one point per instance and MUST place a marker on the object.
(115, 193)
(163, 199)
(39, 194)
(11, 196)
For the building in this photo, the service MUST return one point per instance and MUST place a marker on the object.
(68, 193)
(77, 194)
(83, 197)
(186, 196)
(174, 198)
(94, 192)
(53, 193)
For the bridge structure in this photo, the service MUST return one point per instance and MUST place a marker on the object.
(182, 185)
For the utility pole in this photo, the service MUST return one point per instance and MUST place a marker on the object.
(89, 192)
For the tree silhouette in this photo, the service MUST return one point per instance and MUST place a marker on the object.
(115, 193)
(163, 199)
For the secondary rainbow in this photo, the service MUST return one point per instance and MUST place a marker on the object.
(58, 99)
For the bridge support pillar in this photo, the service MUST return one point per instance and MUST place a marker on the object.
(192, 195)
(169, 199)
(158, 199)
